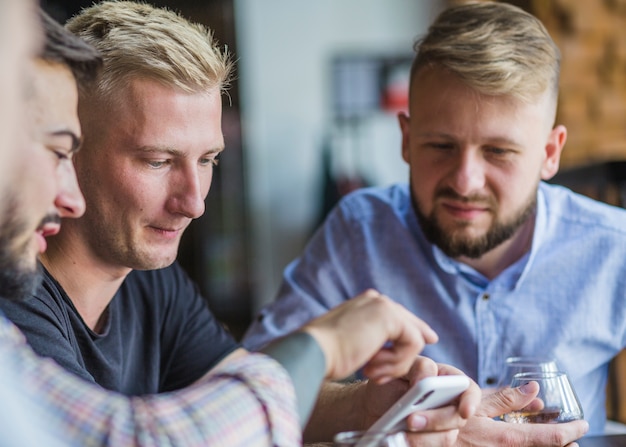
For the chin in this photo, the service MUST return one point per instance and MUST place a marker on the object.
(153, 263)
(18, 282)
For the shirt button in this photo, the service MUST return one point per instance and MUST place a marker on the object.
(486, 296)
(491, 381)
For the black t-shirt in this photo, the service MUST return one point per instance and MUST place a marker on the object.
(159, 336)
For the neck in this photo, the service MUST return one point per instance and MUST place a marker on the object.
(495, 261)
(89, 282)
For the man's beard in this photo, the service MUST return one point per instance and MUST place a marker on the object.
(19, 278)
(456, 245)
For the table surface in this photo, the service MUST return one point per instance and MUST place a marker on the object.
(603, 441)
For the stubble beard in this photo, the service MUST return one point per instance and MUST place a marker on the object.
(127, 249)
(454, 243)
(19, 276)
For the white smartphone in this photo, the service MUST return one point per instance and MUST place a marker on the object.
(428, 393)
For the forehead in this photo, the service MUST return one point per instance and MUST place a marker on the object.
(440, 98)
(154, 114)
(55, 97)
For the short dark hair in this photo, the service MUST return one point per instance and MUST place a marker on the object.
(63, 47)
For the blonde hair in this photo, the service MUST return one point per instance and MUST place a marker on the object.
(139, 40)
(495, 48)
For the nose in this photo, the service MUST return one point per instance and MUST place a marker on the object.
(468, 175)
(190, 190)
(69, 200)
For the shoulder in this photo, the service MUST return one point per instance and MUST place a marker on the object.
(47, 300)
(377, 202)
(573, 210)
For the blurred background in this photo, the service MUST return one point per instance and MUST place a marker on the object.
(313, 115)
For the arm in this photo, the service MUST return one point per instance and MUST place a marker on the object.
(245, 401)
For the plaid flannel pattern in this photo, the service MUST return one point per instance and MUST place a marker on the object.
(248, 401)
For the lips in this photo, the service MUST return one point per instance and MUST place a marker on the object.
(168, 233)
(49, 229)
(44, 231)
(465, 210)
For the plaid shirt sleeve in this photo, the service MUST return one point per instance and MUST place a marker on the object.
(248, 401)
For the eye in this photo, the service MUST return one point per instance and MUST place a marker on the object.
(442, 146)
(497, 151)
(157, 164)
(60, 153)
(212, 160)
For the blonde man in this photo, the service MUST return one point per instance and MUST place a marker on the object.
(115, 308)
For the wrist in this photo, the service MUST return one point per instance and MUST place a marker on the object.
(339, 408)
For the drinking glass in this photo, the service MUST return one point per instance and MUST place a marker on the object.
(375, 439)
(557, 401)
(516, 365)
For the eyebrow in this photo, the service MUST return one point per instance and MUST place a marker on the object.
(76, 140)
(493, 140)
(174, 152)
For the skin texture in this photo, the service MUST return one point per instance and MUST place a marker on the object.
(475, 163)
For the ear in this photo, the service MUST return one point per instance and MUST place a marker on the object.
(554, 147)
(405, 124)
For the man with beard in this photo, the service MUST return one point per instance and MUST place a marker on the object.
(497, 261)
(19, 40)
(248, 399)
(35, 213)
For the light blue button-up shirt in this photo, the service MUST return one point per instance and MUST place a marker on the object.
(566, 298)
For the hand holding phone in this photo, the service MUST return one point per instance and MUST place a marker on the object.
(428, 393)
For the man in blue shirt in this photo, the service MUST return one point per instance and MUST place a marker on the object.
(498, 262)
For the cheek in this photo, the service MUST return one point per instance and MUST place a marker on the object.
(425, 176)
(41, 183)
(423, 185)
(206, 183)
(512, 188)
